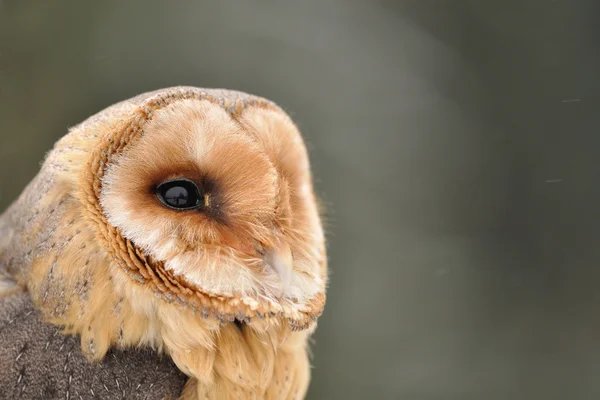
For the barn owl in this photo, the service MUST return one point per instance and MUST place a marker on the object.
(182, 220)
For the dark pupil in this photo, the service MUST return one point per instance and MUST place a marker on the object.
(179, 194)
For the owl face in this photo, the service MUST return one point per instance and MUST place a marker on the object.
(224, 202)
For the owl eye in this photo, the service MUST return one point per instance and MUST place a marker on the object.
(179, 194)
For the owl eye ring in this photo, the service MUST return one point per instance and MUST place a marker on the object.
(180, 194)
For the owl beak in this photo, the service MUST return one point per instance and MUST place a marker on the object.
(280, 259)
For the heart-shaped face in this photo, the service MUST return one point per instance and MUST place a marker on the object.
(219, 206)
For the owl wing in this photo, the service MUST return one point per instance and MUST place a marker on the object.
(38, 362)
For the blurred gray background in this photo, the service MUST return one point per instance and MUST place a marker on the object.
(453, 142)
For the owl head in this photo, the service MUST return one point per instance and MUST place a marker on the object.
(206, 200)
